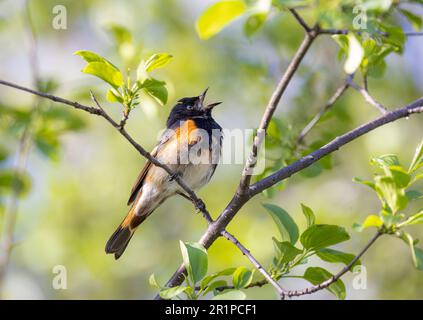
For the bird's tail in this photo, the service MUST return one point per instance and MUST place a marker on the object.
(123, 234)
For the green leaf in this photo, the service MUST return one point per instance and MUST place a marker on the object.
(413, 195)
(120, 33)
(386, 160)
(114, 96)
(308, 213)
(4, 153)
(242, 277)
(355, 54)
(368, 183)
(217, 16)
(90, 56)
(47, 142)
(206, 280)
(286, 225)
(415, 20)
(371, 221)
(156, 89)
(105, 72)
(414, 219)
(214, 285)
(10, 179)
(316, 275)
(157, 60)
(285, 251)
(416, 253)
(320, 236)
(401, 176)
(417, 161)
(335, 256)
(230, 295)
(389, 192)
(254, 23)
(153, 282)
(195, 260)
(170, 293)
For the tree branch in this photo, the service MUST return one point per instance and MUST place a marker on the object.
(328, 282)
(300, 20)
(270, 109)
(413, 108)
(366, 95)
(332, 100)
(253, 260)
(199, 204)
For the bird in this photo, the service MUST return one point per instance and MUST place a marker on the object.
(191, 147)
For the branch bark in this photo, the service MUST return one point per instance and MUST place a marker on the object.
(282, 293)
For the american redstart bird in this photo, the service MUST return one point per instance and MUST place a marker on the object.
(190, 146)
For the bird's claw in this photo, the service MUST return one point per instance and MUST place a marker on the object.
(200, 206)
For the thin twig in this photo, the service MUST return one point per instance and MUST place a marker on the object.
(300, 20)
(254, 261)
(335, 278)
(332, 100)
(366, 95)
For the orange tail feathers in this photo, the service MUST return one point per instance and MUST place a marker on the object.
(123, 234)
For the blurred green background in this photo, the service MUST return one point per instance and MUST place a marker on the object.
(79, 191)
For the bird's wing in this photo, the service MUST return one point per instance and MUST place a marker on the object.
(140, 179)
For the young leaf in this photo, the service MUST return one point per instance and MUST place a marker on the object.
(355, 54)
(417, 161)
(370, 184)
(195, 260)
(401, 176)
(286, 225)
(206, 280)
(386, 160)
(217, 16)
(308, 213)
(318, 275)
(416, 253)
(105, 72)
(254, 23)
(90, 56)
(335, 256)
(371, 221)
(170, 293)
(230, 295)
(320, 236)
(413, 195)
(157, 60)
(153, 282)
(114, 96)
(286, 252)
(414, 219)
(415, 20)
(156, 89)
(242, 277)
(390, 193)
(214, 285)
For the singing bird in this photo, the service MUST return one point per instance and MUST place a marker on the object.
(190, 146)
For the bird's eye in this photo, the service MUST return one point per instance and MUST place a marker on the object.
(190, 107)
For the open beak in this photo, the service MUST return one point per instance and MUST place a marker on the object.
(212, 105)
(203, 96)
